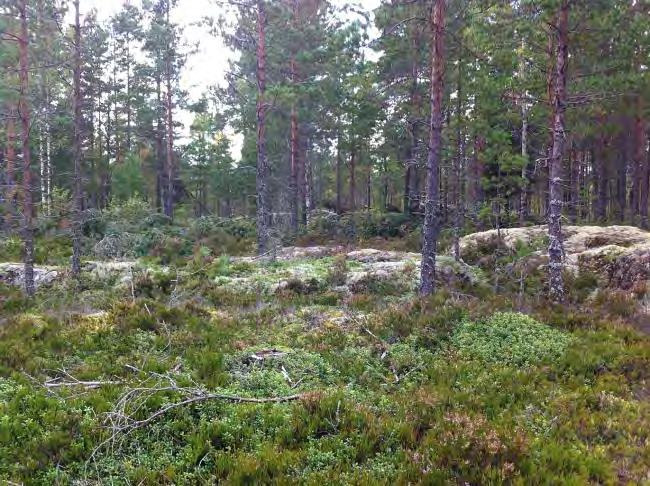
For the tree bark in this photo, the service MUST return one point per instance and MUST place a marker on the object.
(641, 163)
(523, 200)
(128, 87)
(556, 246)
(169, 200)
(431, 224)
(295, 142)
(601, 174)
(645, 190)
(411, 195)
(353, 180)
(23, 108)
(161, 185)
(262, 175)
(10, 160)
(369, 188)
(105, 176)
(574, 195)
(459, 216)
(76, 146)
(339, 175)
(551, 75)
(306, 194)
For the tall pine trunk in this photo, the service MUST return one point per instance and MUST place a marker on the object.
(23, 109)
(161, 185)
(556, 247)
(262, 176)
(76, 146)
(307, 201)
(411, 195)
(339, 175)
(431, 224)
(641, 163)
(10, 167)
(295, 142)
(574, 185)
(353, 180)
(169, 199)
(459, 215)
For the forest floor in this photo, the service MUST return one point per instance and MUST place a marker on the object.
(323, 367)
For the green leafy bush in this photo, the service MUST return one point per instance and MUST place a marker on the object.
(510, 338)
(239, 227)
(359, 225)
(11, 249)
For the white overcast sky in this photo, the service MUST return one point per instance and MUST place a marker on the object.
(210, 63)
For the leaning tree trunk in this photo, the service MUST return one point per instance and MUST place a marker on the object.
(431, 226)
(556, 248)
(262, 176)
(23, 109)
(76, 146)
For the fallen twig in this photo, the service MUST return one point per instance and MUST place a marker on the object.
(56, 383)
(132, 425)
(121, 422)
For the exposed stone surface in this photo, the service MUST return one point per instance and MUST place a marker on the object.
(44, 275)
(367, 269)
(619, 254)
(14, 274)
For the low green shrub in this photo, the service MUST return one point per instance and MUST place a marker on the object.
(510, 338)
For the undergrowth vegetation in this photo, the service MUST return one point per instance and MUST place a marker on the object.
(150, 375)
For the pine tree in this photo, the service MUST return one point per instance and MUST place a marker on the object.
(431, 216)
